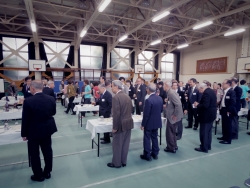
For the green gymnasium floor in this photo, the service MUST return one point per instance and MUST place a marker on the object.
(77, 165)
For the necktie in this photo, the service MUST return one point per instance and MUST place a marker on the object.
(101, 96)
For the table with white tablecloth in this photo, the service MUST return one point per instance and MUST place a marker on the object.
(13, 135)
(242, 112)
(84, 108)
(77, 100)
(11, 114)
(100, 125)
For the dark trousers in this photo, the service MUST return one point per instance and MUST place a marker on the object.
(179, 129)
(243, 103)
(235, 126)
(33, 147)
(86, 101)
(62, 102)
(139, 108)
(206, 136)
(147, 137)
(120, 147)
(192, 113)
(171, 135)
(71, 104)
(226, 125)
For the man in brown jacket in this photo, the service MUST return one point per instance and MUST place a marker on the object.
(122, 125)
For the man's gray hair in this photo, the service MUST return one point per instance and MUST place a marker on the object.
(37, 84)
(50, 82)
(152, 87)
(168, 83)
(118, 83)
(202, 86)
(102, 85)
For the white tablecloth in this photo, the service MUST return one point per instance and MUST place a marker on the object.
(12, 114)
(13, 135)
(242, 112)
(11, 102)
(85, 108)
(101, 126)
(77, 100)
(13, 98)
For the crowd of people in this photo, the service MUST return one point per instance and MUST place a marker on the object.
(120, 99)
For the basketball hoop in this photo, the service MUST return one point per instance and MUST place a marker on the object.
(37, 69)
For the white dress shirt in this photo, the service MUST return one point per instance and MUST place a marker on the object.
(224, 96)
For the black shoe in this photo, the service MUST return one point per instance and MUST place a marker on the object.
(248, 133)
(178, 138)
(105, 142)
(195, 128)
(145, 158)
(176, 148)
(47, 175)
(66, 112)
(224, 142)
(170, 151)
(111, 165)
(101, 138)
(235, 138)
(73, 114)
(34, 178)
(124, 165)
(155, 157)
(188, 127)
(220, 138)
(200, 150)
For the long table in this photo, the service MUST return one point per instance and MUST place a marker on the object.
(12, 114)
(97, 126)
(84, 108)
(242, 112)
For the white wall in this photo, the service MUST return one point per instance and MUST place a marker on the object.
(212, 48)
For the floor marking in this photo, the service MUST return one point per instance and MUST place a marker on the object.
(160, 167)
(59, 136)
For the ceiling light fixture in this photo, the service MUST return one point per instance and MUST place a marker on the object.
(155, 42)
(33, 26)
(123, 38)
(234, 32)
(204, 24)
(160, 16)
(103, 5)
(182, 46)
(83, 33)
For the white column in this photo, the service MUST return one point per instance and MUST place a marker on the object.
(38, 75)
(108, 52)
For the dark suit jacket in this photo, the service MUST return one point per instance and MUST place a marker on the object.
(161, 93)
(230, 102)
(182, 97)
(238, 93)
(49, 91)
(26, 93)
(131, 92)
(37, 117)
(122, 112)
(152, 113)
(141, 93)
(195, 97)
(105, 105)
(207, 108)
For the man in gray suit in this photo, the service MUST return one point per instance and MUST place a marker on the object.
(174, 115)
(122, 125)
(12, 89)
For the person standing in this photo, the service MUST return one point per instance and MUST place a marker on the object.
(124, 86)
(77, 88)
(12, 89)
(61, 89)
(193, 96)
(122, 125)
(174, 115)
(108, 87)
(105, 105)
(49, 89)
(131, 92)
(235, 120)
(227, 111)
(206, 110)
(140, 93)
(71, 95)
(87, 94)
(102, 79)
(26, 88)
(38, 125)
(151, 122)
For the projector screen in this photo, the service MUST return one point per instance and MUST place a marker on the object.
(243, 62)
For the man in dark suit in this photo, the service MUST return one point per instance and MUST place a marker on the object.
(151, 122)
(131, 92)
(26, 88)
(184, 107)
(49, 89)
(193, 96)
(227, 111)
(122, 125)
(140, 93)
(206, 109)
(38, 125)
(105, 105)
(235, 120)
